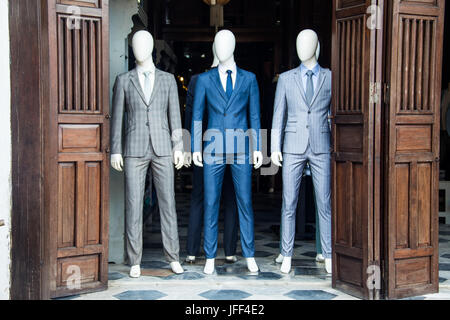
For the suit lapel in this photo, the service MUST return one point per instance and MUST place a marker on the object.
(299, 81)
(320, 82)
(237, 87)
(216, 80)
(158, 76)
(137, 84)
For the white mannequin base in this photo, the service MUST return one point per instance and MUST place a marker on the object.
(320, 258)
(251, 265)
(279, 259)
(176, 267)
(209, 266)
(328, 266)
(135, 271)
(190, 259)
(231, 259)
(286, 266)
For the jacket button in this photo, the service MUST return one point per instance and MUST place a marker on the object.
(147, 124)
(224, 114)
(307, 127)
(309, 112)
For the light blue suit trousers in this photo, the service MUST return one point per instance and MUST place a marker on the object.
(301, 131)
(293, 166)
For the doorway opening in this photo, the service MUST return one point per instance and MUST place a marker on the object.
(266, 45)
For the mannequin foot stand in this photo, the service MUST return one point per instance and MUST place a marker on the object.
(209, 266)
(176, 267)
(251, 265)
(135, 271)
(190, 259)
(328, 266)
(286, 266)
(279, 259)
(231, 259)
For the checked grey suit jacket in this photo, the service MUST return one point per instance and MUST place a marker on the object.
(139, 121)
(295, 123)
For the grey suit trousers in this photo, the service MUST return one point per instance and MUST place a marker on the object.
(293, 166)
(163, 177)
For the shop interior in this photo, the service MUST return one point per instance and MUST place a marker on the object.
(266, 31)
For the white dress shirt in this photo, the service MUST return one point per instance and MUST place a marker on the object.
(315, 77)
(141, 71)
(224, 75)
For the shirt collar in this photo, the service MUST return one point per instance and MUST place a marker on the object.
(141, 70)
(304, 69)
(223, 69)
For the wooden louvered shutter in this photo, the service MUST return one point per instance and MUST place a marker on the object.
(412, 146)
(356, 129)
(79, 34)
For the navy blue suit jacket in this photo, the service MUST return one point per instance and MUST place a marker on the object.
(241, 112)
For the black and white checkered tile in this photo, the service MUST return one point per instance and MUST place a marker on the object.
(307, 281)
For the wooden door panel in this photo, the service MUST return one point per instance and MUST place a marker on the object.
(79, 138)
(353, 132)
(412, 127)
(81, 144)
(66, 205)
(93, 203)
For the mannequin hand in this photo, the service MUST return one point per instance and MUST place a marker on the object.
(187, 159)
(117, 162)
(258, 159)
(178, 159)
(277, 158)
(198, 159)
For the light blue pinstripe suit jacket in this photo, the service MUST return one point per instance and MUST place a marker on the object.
(295, 123)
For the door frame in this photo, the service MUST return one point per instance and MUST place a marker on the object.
(32, 170)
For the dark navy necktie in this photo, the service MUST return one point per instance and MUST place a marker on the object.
(229, 84)
(309, 87)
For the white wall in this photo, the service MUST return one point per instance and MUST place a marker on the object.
(120, 26)
(5, 155)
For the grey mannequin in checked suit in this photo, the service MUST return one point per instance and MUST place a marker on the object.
(301, 135)
(146, 111)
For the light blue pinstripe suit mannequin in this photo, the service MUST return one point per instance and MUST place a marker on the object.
(301, 131)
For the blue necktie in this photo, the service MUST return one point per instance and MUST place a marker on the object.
(229, 84)
(309, 87)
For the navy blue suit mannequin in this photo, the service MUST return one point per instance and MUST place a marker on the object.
(231, 222)
(229, 96)
(227, 113)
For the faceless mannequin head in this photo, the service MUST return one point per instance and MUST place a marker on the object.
(142, 46)
(216, 60)
(224, 44)
(307, 44)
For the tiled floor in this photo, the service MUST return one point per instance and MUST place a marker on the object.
(307, 281)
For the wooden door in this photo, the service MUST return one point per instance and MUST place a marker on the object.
(79, 140)
(356, 46)
(412, 146)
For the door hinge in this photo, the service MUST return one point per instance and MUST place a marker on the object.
(374, 92)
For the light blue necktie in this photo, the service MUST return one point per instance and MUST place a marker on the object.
(309, 87)
(229, 84)
(147, 86)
